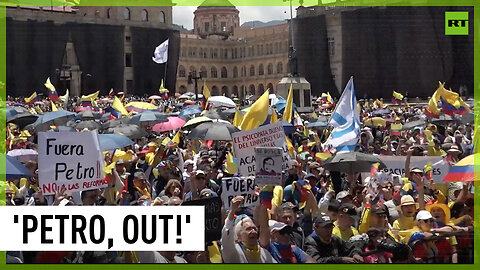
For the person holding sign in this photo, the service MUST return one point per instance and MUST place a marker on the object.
(240, 239)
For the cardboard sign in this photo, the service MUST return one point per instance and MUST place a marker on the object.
(70, 159)
(213, 217)
(396, 166)
(244, 143)
(268, 166)
(239, 186)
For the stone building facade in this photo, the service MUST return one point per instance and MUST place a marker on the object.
(233, 60)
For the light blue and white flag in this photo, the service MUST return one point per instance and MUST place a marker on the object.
(346, 121)
(160, 55)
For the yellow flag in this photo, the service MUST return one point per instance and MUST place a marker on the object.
(31, 98)
(231, 167)
(162, 89)
(274, 118)
(49, 85)
(323, 156)
(290, 146)
(118, 106)
(64, 98)
(367, 105)
(94, 103)
(54, 107)
(108, 169)
(378, 104)
(176, 139)
(257, 113)
(88, 98)
(39, 110)
(237, 119)
(288, 112)
(32, 111)
(166, 141)
(206, 91)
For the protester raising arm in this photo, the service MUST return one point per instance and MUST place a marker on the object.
(262, 216)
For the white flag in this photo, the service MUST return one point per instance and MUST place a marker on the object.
(160, 55)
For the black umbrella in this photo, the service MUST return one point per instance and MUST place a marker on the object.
(23, 119)
(442, 119)
(115, 122)
(89, 124)
(215, 115)
(131, 131)
(352, 162)
(411, 125)
(86, 115)
(468, 118)
(217, 131)
(148, 117)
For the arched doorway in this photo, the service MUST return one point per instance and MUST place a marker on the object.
(225, 91)
(251, 89)
(215, 91)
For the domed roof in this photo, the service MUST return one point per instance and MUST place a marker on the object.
(216, 3)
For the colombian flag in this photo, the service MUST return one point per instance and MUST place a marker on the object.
(463, 171)
(31, 99)
(117, 109)
(52, 93)
(397, 98)
(87, 100)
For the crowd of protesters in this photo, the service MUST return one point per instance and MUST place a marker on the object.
(340, 220)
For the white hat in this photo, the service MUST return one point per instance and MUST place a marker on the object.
(424, 215)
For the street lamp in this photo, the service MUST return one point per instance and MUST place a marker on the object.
(192, 75)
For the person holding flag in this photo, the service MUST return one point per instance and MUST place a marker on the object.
(52, 93)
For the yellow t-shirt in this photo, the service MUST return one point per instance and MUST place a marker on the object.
(403, 225)
(344, 234)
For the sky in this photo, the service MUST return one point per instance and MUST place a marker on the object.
(184, 15)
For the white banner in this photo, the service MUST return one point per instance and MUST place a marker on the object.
(102, 228)
(244, 143)
(269, 166)
(239, 186)
(70, 159)
(396, 165)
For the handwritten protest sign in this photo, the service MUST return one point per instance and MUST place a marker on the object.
(244, 143)
(72, 159)
(395, 165)
(268, 166)
(213, 217)
(239, 186)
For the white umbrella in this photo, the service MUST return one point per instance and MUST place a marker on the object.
(23, 155)
(218, 101)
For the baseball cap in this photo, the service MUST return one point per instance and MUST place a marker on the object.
(416, 170)
(277, 226)
(204, 153)
(206, 193)
(188, 162)
(424, 215)
(322, 220)
(120, 161)
(379, 209)
(342, 195)
(198, 172)
(348, 208)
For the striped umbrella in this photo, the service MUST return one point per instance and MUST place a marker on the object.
(463, 171)
(137, 106)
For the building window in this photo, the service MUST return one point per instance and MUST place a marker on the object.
(181, 72)
(144, 15)
(128, 60)
(126, 14)
(213, 72)
(207, 27)
(331, 46)
(270, 69)
(128, 38)
(279, 68)
(224, 73)
(244, 71)
(162, 16)
(203, 71)
(109, 13)
(129, 84)
(260, 70)
(252, 70)
(307, 99)
(235, 72)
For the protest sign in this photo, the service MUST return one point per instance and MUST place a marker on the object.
(239, 186)
(244, 143)
(395, 165)
(213, 217)
(70, 159)
(268, 166)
